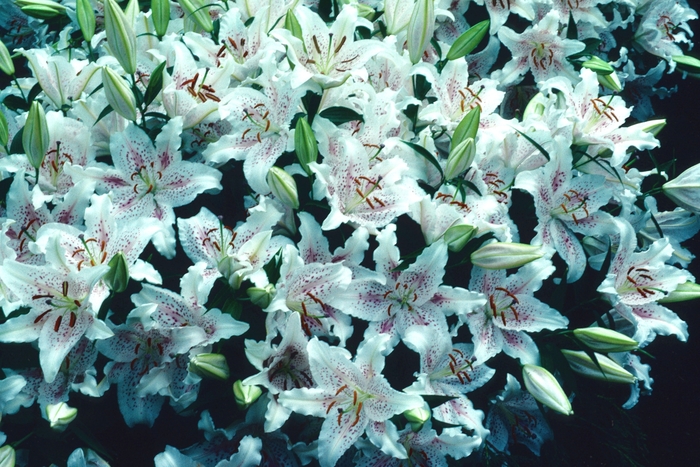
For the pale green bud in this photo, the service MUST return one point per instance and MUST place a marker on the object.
(7, 456)
(600, 66)
(245, 394)
(505, 255)
(4, 130)
(261, 296)
(468, 41)
(119, 94)
(684, 292)
(41, 9)
(120, 36)
(545, 388)
(584, 365)
(60, 415)
(305, 144)
(687, 63)
(117, 278)
(291, 24)
(283, 187)
(684, 190)
(421, 27)
(653, 126)
(536, 106)
(467, 127)
(198, 12)
(131, 11)
(160, 14)
(6, 64)
(460, 158)
(610, 81)
(209, 365)
(86, 18)
(417, 417)
(457, 236)
(605, 340)
(35, 136)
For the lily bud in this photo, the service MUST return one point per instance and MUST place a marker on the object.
(687, 63)
(291, 24)
(600, 66)
(60, 415)
(610, 81)
(196, 11)
(245, 394)
(261, 296)
(6, 64)
(458, 236)
(505, 255)
(417, 417)
(584, 365)
(119, 94)
(684, 190)
(283, 187)
(35, 136)
(653, 126)
(117, 278)
(120, 36)
(7, 456)
(40, 9)
(468, 41)
(86, 18)
(468, 127)
(209, 365)
(545, 388)
(305, 144)
(160, 14)
(460, 158)
(421, 27)
(131, 11)
(4, 130)
(605, 340)
(536, 106)
(684, 292)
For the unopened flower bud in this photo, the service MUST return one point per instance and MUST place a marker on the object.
(131, 11)
(86, 18)
(120, 36)
(60, 415)
(687, 63)
(536, 106)
(460, 158)
(160, 14)
(598, 65)
(6, 64)
(209, 365)
(505, 255)
(684, 292)
(420, 29)
(605, 340)
(545, 388)
(652, 126)
(457, 236)
(467, 127)
(291, 24)
(117, 277)
(468, 41)
(119, 94)
(305, 144)
(684, 190)
(7, 456)
(245, 394)
(261, 296)
(283, 187)
(605, 370)
(417, 417)
(198, 12)
(35, 136)
(40, 9)
(610, 81)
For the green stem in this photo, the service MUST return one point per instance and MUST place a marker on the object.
(14, 77)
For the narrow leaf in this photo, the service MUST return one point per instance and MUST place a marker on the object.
(155, 84)
(340, 115)
(534, 143)
(425, 153)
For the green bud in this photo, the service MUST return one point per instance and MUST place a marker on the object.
(545, 388)
(610, 81)
(198, 12)
(283, 187)
(468, 127)
(600, 66)
(35, 136)
(605, 340)
(117, 278)
(60, 415)
(460, 158)
(40, 9)
(4, 130)
(458, 236)
(291, 24)
(6, 64)
(209, 365)
(261, 296)
(7, 456)
(684, 190)
(605, 370)
(160, 14)
(536, 106)
(120, 36)
(86, 18)
(687, 63)
(421, 27)
(505, 255)
(468, 41)
(684, 292)
(417, 417)
(131, 11)
(305, 143)
(119, 94)
(653, 126)
(245, 394)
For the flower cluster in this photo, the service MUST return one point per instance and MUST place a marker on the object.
(295, 193)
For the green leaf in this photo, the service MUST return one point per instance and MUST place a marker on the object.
(103, 114)
(340, 115)
(16, 146)
(15, 103)
(426, 154)
(468, 41)
(534, 143)
(155, 84)
(572, 29)
(468, 127)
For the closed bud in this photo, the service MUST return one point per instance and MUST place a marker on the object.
(420, 29)
(228, 267)
(7, 456)
(417, 417)
(605, 340)
(468, 41)
(684, 190)
(545, 388)
(610, 81)
(653, 126)
(160, 14)
(117, 277)
(6, 64)
(40, 9)
(457, 236)
(460, 158)
(120, 36)
(4, 130)
(261, 296)
(60, 415)
(600, 66)
(467, 127)
(535, 107)
(291, 24)
(305, 143)
(684, 292)
(131, 11)
(86, 18)
(605, 370)
(687, 63)
(198, 12)
(35, 136)
(245, 394)
(505, 255)
(119, 94)
(209, 365)
(283, 187)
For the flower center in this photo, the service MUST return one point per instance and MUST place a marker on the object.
(222, 239)
(449, 199)
(203, 92)
(354, 399)
(148, 352)
(61, 302)
(639, 281)
(54, 160)
(258, 118)
(574, 206)
(402, 294)
(542, 56)
(93, 251)
(366, 191)
(145, 179)
(501, 301)
(288, 369)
